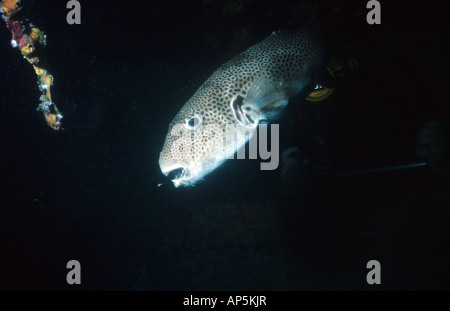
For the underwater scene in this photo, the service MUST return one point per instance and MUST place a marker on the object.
(225, 145)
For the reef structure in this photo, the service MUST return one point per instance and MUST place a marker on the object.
(27, 38)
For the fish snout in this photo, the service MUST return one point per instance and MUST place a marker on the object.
(179, 176)
(176, 173)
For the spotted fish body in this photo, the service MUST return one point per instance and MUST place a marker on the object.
(253, 86)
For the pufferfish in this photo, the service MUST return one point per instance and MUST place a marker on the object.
(224, 113)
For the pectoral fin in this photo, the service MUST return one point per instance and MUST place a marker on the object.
(270, 99)
(247, 115)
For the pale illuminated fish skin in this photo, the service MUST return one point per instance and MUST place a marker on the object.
(255, 85)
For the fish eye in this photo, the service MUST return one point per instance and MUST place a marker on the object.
(193, 123)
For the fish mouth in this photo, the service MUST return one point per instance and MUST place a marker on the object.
(178, 175)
